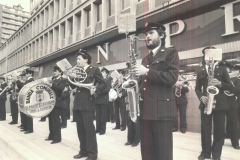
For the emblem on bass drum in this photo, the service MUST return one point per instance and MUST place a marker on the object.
(36, 99)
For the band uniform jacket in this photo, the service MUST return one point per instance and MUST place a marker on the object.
(58, 86)
(21, 84)
(83, 99)
(222, 75)
(182, 100)
(103, 97)
(156, 87)
(234, 100)
(3, 95)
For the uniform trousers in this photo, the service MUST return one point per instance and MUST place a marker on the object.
(133, 135)
(3, 109)
(156, 139)
(232, 126)
(86, 133)
(120, 106)
(55, 124)
(182, 108)
(64, 117)
(218, 118)
(101, 117)
(14, 111)
(111, 116)
(27, 122)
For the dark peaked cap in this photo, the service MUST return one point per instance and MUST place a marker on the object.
(151, 25)
(209, 47)
(2, 78)
(104, 69)
(55, 68)
(84, 53)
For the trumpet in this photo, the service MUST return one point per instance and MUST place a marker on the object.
(179, 88)
(77, 75)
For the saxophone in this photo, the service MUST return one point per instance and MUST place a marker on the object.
(211, 90)
(131, 85)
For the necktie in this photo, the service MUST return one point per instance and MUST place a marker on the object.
(150, 56)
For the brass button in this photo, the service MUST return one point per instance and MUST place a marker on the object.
(144, 89)
(147, 65)
(78, 91)
(167, 99)
(145, 80)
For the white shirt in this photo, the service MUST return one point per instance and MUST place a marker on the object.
(85, 67)
(154, 51)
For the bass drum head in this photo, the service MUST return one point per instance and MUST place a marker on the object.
(36, 99)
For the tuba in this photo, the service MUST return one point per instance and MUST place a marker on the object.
(131, 85)
(76, 75)
(211, 90)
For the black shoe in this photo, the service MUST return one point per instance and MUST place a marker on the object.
(27, 132)
(202, 157)
(12, 123)
(236, 147)
(116, 128)
(42, 120)
(123, 129)
(97, 131)
(175, 130)
(23, 130)
(134, 144)
(183, 131)
(79, 156)
(64, 127)
(2, 119)
(101, 133)
(128, 143)
(20, 126)
(48, 139)
(91, 159)
(73, 121)
(54, 142)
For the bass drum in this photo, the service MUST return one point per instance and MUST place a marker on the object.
(36, 99)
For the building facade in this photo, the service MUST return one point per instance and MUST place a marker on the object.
(11, 19)
(57, 29)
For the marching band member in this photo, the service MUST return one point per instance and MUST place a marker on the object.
(3, 98)
(57, 84)
(84, 107)
(181, 104)
(13, 90)
(159, 72)
(221, 76)
(232, 113)
(102, 101)
(26, 120)
(120, 106)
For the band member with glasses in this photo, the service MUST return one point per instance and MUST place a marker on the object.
(221, 77)
(57, 83)
(119, 105)
(3, 98)
(102, 101)
(158, 73)
(84, 107)
(181, 103)
(27, 121)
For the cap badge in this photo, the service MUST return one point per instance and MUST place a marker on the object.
(146, 24)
